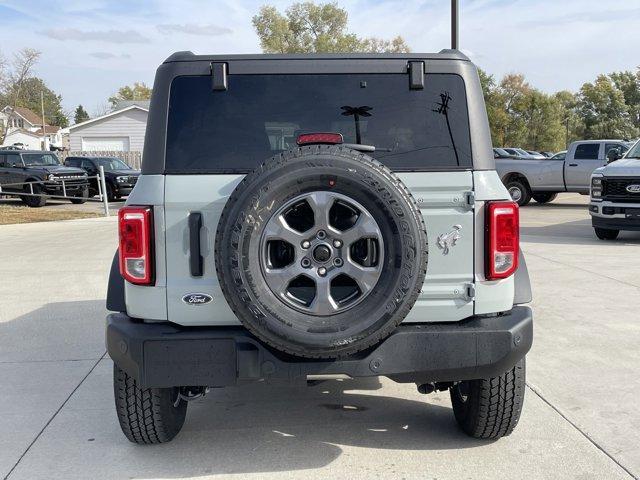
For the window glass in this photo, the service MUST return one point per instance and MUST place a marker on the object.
(634, 152)
(40, 159)
(13, 160)
(262, 115)
(587, 151)
(109, 163)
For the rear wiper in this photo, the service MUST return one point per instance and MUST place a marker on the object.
(366, 148)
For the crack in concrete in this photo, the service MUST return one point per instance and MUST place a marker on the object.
(54, 416)
(581, 431)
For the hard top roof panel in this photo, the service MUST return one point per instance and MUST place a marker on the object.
(187, 56)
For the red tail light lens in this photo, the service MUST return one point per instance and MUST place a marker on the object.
(503, 239)
(135, 225)
(326, 138)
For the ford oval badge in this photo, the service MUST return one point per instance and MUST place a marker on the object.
(633, 189)
(196, 298)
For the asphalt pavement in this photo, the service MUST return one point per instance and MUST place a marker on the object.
(580, 420)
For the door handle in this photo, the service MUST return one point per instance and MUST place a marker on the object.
(195, 256)
(573, 164)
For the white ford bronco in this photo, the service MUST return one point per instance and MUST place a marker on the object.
(305, 215)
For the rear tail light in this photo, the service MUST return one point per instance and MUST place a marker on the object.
(503, 239)
(326, 138)
(135, 225)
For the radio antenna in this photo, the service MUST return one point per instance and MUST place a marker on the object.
(455, 24)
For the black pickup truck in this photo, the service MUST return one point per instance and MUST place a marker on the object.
(20, 167)
(119, 177)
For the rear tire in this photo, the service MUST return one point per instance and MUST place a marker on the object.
(606, 234)
(490, 408)
(519, 192)
(32, 201)
(544, 197)
(147, 415)
(111, 196)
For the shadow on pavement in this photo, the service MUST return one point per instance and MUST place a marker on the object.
(252, 428)
(557, 205)
(578, 232)
(57, 331)
(268, 428)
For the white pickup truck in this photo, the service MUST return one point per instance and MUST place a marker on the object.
(543, 179)
(615, 196)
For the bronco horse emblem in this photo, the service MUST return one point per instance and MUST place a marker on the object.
(448, 240)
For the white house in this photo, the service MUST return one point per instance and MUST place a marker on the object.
(25, 127)
(28, 140)
(19, 117)
(121, 130)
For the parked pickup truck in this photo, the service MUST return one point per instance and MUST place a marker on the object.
(543, 179)
(33, 175)
(615, 196)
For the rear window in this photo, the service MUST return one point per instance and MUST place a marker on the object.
(261, 115)
(587, 151)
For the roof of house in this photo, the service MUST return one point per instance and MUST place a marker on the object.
(49, 129)
(127, 103)
(111, 114)
(27, 114)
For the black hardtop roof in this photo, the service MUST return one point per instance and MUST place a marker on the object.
(187, 56)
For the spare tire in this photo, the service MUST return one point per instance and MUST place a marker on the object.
(321, 251)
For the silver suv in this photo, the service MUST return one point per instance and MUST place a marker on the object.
(317, 215)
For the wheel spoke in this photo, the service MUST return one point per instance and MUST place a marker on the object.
(365, 277)
(278, 279)
(365, 227)
(320, 202)
(278, 229)
(323, 303)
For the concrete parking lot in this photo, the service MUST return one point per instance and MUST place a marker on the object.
(581, 417)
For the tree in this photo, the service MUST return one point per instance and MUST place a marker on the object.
(33, 92)
(520, 115)
(137, 91)
(13, 79)
(629, 84)
(315, 28)
(570, 116)
(80, 115)
(604, 112)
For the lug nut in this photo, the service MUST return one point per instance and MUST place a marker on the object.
(305, 262)
(306, 244)
(337, 243)
(322, 271)
(337, 262)
(321, 234)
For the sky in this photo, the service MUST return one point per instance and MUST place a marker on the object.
(90, 48)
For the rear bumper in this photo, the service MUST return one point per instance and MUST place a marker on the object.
(166, 355)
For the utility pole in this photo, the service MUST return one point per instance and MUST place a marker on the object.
(44, 129)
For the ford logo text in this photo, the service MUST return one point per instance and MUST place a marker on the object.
(633, 188)
(196, 298)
